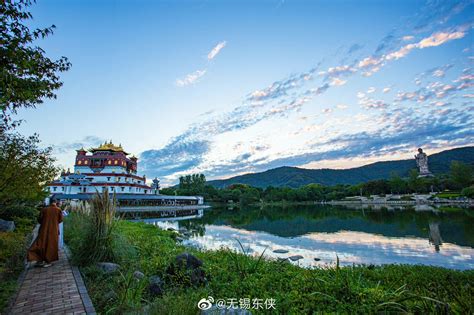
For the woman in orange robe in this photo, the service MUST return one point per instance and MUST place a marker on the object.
(45, 247)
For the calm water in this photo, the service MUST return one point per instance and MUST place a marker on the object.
(357, 236)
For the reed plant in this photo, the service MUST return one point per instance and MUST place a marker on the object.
(95, 226)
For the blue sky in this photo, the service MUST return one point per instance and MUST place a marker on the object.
(230, 87)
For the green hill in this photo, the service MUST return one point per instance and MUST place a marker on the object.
(295, 177)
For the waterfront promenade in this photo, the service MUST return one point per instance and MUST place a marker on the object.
(58, 289)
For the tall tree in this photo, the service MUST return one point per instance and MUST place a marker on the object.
(27, 75)
(25, 168)
(397, 184)
(461, 174)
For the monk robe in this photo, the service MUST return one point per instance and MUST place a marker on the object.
(45, 247)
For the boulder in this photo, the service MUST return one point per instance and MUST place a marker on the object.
(280, 251)
(108, 267)
(6, 226)
(155, 286)
(295, 257)
(186, 270)
(138, 275)
(188, 261)
(317, 259)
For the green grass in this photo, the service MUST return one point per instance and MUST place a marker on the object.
(382, 289)
(448, 195)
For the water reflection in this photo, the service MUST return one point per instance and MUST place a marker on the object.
(435, 235)
(318, 234)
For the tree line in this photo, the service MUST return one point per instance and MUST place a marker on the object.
(460, 179)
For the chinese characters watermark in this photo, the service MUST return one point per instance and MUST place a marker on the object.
(234, 303)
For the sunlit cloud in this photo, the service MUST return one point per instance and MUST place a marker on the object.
(338, 82)
(216, 50)
(191, 78)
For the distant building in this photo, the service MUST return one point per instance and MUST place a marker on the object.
(109, 168)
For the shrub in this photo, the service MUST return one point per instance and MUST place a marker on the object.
(468, 192)
(13, 247)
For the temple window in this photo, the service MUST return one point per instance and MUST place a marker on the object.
(54, 188)
(123, 188)
(86, 162)
(79, 163)
(116, 162)
(108, 179)
(109, 162)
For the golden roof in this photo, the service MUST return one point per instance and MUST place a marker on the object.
(109, 147)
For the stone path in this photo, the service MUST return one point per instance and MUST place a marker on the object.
(58, 289)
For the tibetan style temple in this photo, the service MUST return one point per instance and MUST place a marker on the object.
(109, 168)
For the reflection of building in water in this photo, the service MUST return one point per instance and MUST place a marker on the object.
(422, 207)
(435, 235)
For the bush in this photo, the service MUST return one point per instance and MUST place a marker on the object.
(13, 247)
(468, 192)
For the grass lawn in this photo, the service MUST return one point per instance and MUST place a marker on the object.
(362, 289)
(448, 195)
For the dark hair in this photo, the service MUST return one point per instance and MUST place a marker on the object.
(53, 200)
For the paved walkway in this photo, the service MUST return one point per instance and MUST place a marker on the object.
(58, 289)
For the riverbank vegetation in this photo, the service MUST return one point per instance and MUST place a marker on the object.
(457, 183)
(145, 253)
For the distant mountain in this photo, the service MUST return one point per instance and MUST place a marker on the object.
(295, 177)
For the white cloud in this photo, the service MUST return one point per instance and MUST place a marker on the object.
(369, 61)
(338, 82)
(213, 53)
(438, 73)
(327, 111)
(190, 78)
(342, 106)
(439, 39)
(371, 90)
(386, 90)
(408, 38)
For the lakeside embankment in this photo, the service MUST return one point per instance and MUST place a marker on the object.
(149, 280)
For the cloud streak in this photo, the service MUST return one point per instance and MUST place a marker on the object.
(191, 78)
(216, 50)
(195, 76)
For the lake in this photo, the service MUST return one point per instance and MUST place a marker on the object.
(319, 233)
